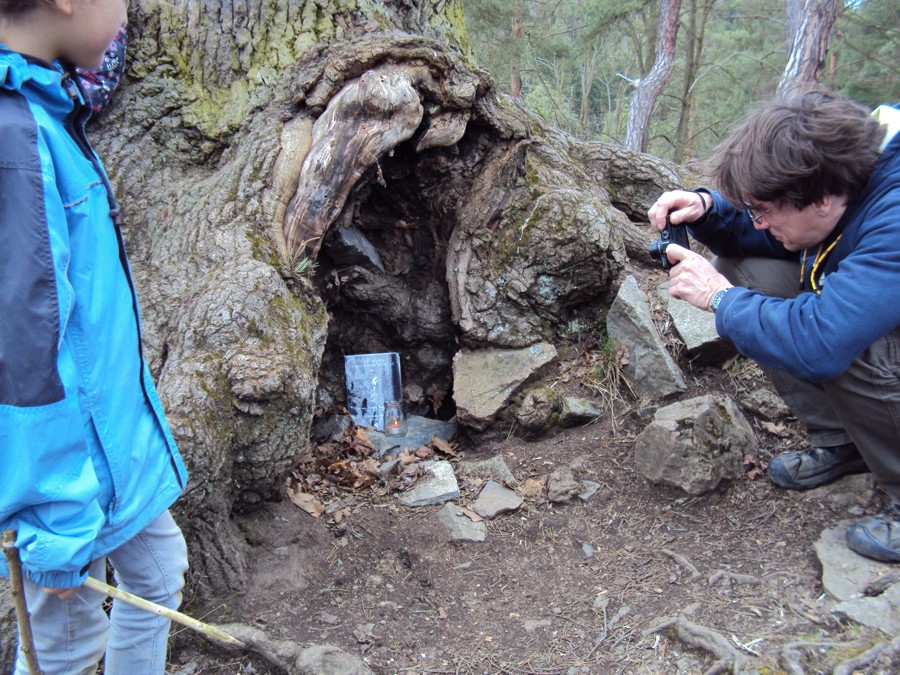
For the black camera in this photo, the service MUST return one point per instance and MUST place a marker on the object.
(673, 234)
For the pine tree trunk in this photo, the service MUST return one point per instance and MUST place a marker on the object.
(650, 86)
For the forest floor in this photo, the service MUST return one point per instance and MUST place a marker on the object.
(581, 587)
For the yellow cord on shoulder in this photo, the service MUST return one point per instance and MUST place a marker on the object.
(820, 256)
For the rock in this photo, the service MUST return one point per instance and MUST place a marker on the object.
(697, 330)
(544, 408)
(694, 444)
(493, 468)
(461, 527)
(650, 370)
(495, 500)
(484, 381)
(348, 246)
(577, 410)
(766, 403)
(539, 409)
(588, 489)
(851, 493)
(329, 660)
(562, 486)
(845, 575)
(437, 487)
(420, 432)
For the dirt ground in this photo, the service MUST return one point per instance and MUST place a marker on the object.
(581, 587)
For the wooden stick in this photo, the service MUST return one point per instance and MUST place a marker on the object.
(26, 638)
(213, 633)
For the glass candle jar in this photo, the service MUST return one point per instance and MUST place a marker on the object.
(394, 419)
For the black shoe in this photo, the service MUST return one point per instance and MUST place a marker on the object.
(814, 467)
(877, 537)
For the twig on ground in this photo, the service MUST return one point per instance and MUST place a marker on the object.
(26, 639)
(867, 658)
(703, 638)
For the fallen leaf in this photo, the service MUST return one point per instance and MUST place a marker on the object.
(443, 446)
(533, 488)
(472, 515)
(307, 502)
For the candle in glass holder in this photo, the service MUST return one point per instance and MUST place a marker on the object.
(394, 419)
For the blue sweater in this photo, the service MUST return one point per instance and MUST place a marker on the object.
(86, 457)
(812, 336)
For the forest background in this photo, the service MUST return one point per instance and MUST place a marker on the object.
(576, 62)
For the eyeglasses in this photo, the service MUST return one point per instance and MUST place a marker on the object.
(757, 217)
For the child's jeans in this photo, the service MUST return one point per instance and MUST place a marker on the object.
(72, 635)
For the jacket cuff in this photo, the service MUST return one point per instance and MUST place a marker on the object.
(56, 579)
(709, 209)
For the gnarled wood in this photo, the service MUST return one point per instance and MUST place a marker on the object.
(365, 120)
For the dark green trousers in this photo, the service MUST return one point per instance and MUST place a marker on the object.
(861, 405)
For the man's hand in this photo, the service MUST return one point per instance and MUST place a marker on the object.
(62, 593)
(693, 278)
(684, 207)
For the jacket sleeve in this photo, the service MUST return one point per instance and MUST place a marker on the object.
(816, 337)
(49, 488)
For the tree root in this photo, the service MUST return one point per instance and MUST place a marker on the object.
(867, 658)
(295, 659)
(703, 638)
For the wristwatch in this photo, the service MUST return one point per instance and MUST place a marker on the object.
(717, 299)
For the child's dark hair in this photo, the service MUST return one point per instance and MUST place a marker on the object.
(797, 149)
(12, 8)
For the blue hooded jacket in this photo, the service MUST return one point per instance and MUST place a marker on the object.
(817, 336)
(86, 457)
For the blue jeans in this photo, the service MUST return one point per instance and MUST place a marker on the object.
(71, 636)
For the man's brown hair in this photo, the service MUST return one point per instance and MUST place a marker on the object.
(797, 149)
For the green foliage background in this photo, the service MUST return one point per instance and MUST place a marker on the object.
(577, 60)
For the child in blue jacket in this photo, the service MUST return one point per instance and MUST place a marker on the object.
(88, 465)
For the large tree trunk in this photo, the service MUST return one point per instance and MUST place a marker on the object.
(651, 85)
(809, 25)
(250, 142)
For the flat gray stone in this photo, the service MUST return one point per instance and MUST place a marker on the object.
(493, 468)
(845, 574)
(461, 527)
(496, 500)
(438, 486)
(421, 431)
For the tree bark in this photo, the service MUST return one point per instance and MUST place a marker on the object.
(246, 134)
(811, 21)
(650, 86)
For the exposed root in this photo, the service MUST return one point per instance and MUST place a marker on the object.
(867, 658)
(684, 562)
(790, 658)
(703, 638)
(295, 659)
